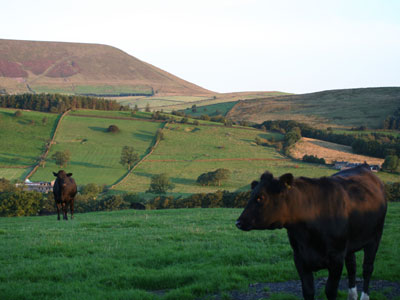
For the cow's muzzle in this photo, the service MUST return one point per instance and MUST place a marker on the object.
(242, 226)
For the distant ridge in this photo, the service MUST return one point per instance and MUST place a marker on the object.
(367, 107)
(76, 68)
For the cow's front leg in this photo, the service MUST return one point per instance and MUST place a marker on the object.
(335, 269)
(307, 279)
(58, 210)
(65, 209)
(71, 204)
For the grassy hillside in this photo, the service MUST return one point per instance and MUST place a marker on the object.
(188, 151)
(170, 254)
(345, 108)
(95, 153)
(73, 68)
(23, 139)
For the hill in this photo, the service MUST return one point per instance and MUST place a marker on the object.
(343, 108)
(74, 68)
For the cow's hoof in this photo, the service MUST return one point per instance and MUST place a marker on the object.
(352, 294)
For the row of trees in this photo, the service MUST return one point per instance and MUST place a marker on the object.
(393, 121)
(57, 103)
(371, 144)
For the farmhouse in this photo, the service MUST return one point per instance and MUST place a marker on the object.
(343, 165)
(41, 186)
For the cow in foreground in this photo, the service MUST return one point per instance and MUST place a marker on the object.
(64, 191)
(327, 220)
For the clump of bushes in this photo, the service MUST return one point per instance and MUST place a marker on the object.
(214, 177)
(203, 200)
(314, 159)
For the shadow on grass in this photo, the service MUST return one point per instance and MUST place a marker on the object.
(143, 136)
(98, 129)
(88, 165)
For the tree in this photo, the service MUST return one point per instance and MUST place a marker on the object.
(391, 163)
(128, 157)
(113, 129)
(214, 177)
(159, 134)
(62, 158)
(160, 183)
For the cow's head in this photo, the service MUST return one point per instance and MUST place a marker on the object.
(62, 176)
(267, 204)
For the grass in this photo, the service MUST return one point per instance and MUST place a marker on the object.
(165, 254)
(14, 173)
(188, 151)
(95, 153)
(23, 139)
(211, 110)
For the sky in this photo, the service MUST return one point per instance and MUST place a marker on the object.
(296, 46)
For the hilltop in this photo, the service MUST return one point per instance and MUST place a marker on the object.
(75, 68)
(343, 108)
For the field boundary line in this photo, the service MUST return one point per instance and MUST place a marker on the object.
(44, 155)
(150, 149)
(217, 159)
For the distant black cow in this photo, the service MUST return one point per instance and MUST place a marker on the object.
(327, 220)
(64, 191)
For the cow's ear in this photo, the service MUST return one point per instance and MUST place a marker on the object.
(69, 174)
(286, 180)
(254, 184)
(267, 176)
(55, 174)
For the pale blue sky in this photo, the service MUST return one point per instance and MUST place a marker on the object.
(227, 46)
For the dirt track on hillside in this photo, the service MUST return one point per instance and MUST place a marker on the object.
(330, 152)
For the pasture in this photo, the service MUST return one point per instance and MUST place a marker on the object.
(23, 139)
(162, 254)
(95, 153)
(188, 151)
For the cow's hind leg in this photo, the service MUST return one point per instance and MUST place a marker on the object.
(71, 204)
(351, 271)
(368, 267)
(335, 271)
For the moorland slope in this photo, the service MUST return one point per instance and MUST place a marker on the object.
(75, 68)
(344, 108)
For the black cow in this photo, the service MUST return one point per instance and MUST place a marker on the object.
(64, 191)
(327, 220)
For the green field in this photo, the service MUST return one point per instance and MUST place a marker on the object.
(93, 89)
(164, 254)
(211, 110)
(23, 139)
(14, 173)
(188, 151)
(95, 153)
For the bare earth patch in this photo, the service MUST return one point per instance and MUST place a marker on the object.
(330, 152)
(257, 291)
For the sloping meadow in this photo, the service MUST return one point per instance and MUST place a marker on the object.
(95, 152)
